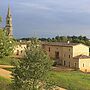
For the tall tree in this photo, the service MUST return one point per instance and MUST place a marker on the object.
(0, 20)
(31, 72)
(6, 44)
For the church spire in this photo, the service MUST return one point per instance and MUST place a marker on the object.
(9, 23)
(9, 12)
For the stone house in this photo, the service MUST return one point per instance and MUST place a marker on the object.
(19, 49)
(73, 55)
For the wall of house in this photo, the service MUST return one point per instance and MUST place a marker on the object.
(84, 65)
(67, 56)
(51, 50)
(65, 53)
(72, 63)
(80, 49)
(19, 50)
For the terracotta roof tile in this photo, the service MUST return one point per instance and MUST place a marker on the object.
(81, 57)
(59, 44)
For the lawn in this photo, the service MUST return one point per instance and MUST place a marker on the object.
(70, 80)
(5, 84)
(73, 80)
(7, 61)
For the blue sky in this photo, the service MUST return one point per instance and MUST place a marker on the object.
(48, 18)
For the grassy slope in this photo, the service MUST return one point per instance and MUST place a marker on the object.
(7, 61)
(5, 84)
(71, 80)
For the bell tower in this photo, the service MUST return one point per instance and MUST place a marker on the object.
(9, 27)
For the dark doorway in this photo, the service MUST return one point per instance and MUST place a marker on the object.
(57, 55)
(69, 64)
(64, 63)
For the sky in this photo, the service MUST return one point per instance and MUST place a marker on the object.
(48, 18)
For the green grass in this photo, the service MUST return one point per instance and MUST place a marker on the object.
(5, 84)
(7, 61)
(71, 80)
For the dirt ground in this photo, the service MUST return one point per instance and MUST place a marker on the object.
(6, 66)
(4, 73)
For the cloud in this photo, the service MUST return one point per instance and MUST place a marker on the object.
(45, 16)
(35, 6)
(68, 6)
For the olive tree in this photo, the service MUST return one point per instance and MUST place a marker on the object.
(31, 73)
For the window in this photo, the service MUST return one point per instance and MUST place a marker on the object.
(17, 52)
(69, 56)
(75, 64)
(83, 64)
(21, 51)
(57, 55)
(64, 63)
(49, 49)
(8, 22)
(69, 64)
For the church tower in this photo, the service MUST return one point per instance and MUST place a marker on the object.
(9, 27)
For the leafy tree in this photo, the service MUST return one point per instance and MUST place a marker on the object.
(31, 72)
(49, 40)
(6, 44)
(58, 38)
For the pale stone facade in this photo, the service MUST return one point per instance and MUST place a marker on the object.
(69, 54)
(19, 50)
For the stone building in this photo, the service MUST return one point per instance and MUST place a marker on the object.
(73, 55)
(19, 49)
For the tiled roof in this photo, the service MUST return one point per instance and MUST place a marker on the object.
(59, 44)
(81, 57)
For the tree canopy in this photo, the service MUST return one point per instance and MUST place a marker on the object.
(6, 44)
(72, 39)
(31, 72)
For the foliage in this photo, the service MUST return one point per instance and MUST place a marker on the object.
(6, 44)
(72, 39)
(73, 80)
(31, 72)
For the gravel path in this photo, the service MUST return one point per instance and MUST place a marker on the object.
(6, 66)
(4, 73)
